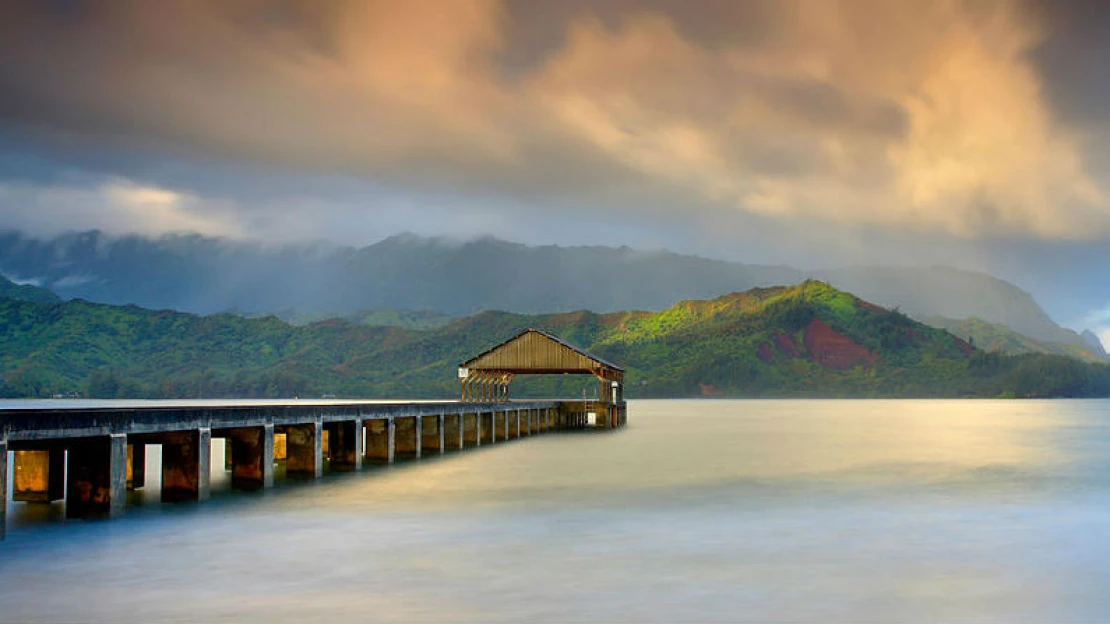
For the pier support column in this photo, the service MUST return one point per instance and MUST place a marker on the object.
(345, 445)
(514, 424)
(39, 476)
(252, 457)
(3, 488)
(431, 435)
(187, 466)
(136, 466)
(485, 427)
(408, 437)
(453, 432)
(501, 427)
(96, 479)
(304, 449)
(380, 440)
(470, 430)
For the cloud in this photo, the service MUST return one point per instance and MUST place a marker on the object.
(906, 117)
(116, 206)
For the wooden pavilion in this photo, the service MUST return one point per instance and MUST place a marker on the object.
(488, 375)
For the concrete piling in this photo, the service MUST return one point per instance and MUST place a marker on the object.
(91, 460)
(470, 426)
(380, 448)
(3, 487)
(252, 453)
(489, 433)
(431, 435)
(304, 449)
(453, 432)
(187, 466)
(408, 437)
(345, 444)
(96, 478)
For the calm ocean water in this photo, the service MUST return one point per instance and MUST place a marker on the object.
(861, 511)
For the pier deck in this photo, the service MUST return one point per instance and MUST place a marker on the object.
(90, 456)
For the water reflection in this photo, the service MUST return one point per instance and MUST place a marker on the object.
(700, 510)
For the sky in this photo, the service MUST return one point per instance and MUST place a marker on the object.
(808, 132)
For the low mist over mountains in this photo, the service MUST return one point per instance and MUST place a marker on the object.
(206, 275)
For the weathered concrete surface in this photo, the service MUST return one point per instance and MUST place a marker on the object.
(380, 448)
(344, 444)
(97, 477)
(452, 432)
(187, 466)
(471, 430)
(136, 466)
(39, 476)
(3, 487)
(304, 446)
(489, 433)
(407, 437)
(68, 423)
(431, 436)
(252, 452)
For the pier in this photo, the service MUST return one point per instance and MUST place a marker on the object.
(90, 456)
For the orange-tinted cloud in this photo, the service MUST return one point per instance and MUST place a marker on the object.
(916, 116)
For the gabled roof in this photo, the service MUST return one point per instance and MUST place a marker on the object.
(536, 351)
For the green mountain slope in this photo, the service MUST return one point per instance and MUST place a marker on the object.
(804, 340)
(25, 292)
(996, 337)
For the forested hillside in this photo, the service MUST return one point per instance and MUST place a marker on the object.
(804, 340)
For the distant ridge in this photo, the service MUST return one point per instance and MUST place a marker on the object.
(454, 278)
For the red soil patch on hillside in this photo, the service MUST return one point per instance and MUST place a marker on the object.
(786, 344)
(828, 347)
(963, 345)
(765, 353)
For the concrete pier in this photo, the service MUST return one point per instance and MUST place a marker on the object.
(408, 438)
(471, 430)
(304, 448)
(345, 444)
(3, 487)
(380, 447)
(453, 432)
(431, 435)
(39, 476)
(92, 456)
(186, 465)
(488, 432)
(96, 478)
(252, 456)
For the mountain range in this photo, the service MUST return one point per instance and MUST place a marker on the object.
(442, 279)
(805, 340)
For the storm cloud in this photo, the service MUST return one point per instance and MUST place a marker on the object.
(932, 117)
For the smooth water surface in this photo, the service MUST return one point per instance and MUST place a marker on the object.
(863, 511)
